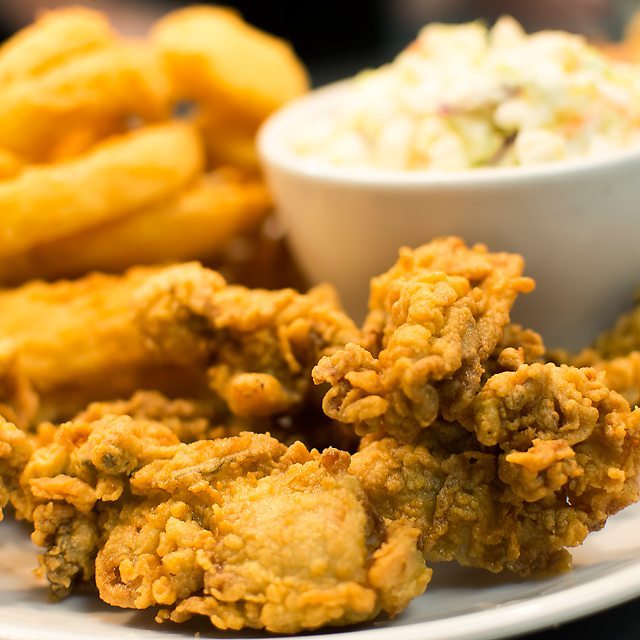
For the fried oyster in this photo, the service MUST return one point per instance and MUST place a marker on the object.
(257, 346)
(435, 318)
(552, 454)
(243, 530)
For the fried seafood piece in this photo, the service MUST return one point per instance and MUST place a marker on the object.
(243, 530)
(15, 451)
(190, 419)
(556, 453)
(195, 222)
(435, 318)
(615, 354)
(257, 346)
(69, 484)
(516, 347)
(76, 342)
(18, 401)
(322, 557)
(621, 374)
(208, 417)
(560, 427)
(104, 337)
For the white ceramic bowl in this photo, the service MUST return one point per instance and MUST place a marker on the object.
(576, 223)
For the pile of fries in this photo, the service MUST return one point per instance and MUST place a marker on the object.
(116, 152)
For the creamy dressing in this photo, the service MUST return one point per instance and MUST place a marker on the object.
(464, 96)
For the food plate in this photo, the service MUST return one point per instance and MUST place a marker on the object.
(460, 603)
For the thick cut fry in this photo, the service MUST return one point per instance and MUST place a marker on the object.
(82, 137)
(118, 177)
(194, 224)
(214, 56)
(228, 140)
(53, 39)
(77, 342)
(10, 165)
(115, 82)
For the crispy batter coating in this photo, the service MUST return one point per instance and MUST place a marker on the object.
(516, 347)
(621, 374)
(258, 346)
(15, 450)
(615, 354)
(209, 417)
(435, 319)
(321, 557)
(76, 342)
(175, 525)
(188, 419)
(556, 453)
(18, 401)
(85, 466)
(623, 338)
(561, 427)
(79, 341)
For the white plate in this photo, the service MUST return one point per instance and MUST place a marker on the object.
(460, 604)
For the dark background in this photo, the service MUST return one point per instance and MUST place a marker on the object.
(336, 38)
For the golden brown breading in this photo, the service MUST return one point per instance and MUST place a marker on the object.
(208, 418)
(188, 419)
(86, 463)
(15, 450)
(516, 347)
(556, 454)
(435, 319)
(257, 346)
(76, 342)
(175, 525)
(621, 339)
(622, 374)
(18, 401)
(321, 556)
(561, 427)
(615, 354)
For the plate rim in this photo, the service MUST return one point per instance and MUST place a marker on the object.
(617, 581)
(514, 618)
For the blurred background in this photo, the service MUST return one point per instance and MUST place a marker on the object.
(336, 38)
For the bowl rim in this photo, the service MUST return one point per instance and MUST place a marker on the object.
(274, 151)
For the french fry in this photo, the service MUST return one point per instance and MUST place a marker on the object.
(193, 224)
(10, 165)
(81, 138)
(77, 340)
(118, 81)
(214, 56)
(228, 140)
(116, 178)
(53, 39)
